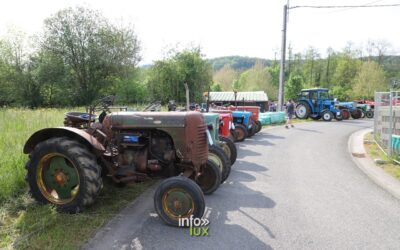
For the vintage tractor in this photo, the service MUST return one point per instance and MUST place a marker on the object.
(349, 109)
(243, 124)
(66, 164)
(366, 110)
(255, 112)
(226, 125)
(316, 104)
(223, 151)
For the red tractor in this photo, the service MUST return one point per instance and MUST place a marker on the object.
(255, 110)
(226, 126)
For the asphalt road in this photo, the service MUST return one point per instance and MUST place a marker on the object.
(289, 189)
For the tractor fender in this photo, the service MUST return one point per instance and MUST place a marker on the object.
(72, 133)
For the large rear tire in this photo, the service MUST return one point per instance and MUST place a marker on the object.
(178, 197)
(229, 148)
(63, 172)
(302, 110)
(259, 126)
(217, 155)
(356, 114)
(241, 132)
(345, 114)
(210, 178)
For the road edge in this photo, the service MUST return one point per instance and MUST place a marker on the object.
(104, 238)
(367, 165)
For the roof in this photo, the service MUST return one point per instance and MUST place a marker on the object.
(255, 96)
(315, 89)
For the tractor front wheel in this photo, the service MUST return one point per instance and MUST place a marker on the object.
(229, 148)
(339, 117)
(369, 114)
(241, 132)
(217, 155)
(63, 172)
(327, 116)
(210, 178)
(302, 111)
(178, 197)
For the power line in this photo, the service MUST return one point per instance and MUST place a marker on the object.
(344, 6)
(341, 10)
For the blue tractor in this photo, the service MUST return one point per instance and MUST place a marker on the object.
(317, 103)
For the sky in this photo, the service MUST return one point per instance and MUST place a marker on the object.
(226, 27)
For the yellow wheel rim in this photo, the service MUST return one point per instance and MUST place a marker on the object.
(57, 178)
(177, 203)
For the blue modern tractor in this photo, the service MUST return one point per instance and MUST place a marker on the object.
(317, 103)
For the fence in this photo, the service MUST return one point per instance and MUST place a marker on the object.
(387, 123)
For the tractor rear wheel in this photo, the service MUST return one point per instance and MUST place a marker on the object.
(369, 114)
(233, 135)
(362, 113)
(229, 148)
(259, 126)
(345, 114)
(252, 130)
(64, 173)
(327, 116)
(302, 110)
(178, 197)
(356, 114)
(241, 132)
(210, 178)
(217, 155)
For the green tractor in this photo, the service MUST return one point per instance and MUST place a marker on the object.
(66, 164)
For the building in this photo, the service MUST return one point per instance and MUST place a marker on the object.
(254, 98)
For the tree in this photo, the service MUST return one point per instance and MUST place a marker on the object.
(225, 77)
(167, 76)
(92, 49)
(258, 78)
(293, 86)
(369, 79)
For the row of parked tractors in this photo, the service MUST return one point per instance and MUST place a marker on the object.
(192, 151)
(318, 104)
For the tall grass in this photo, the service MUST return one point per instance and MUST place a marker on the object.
(23, 223)
(16, 126)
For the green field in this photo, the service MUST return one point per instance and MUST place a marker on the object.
(23, 223)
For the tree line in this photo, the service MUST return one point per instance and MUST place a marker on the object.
(349, 74)
(80, 56)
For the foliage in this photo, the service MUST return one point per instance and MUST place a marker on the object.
(238, 63)
(167, 77)
(91, 49)
(225, 77)
(257, 78)
(293, 86)
(369, 79)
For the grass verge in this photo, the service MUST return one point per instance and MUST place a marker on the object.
(23, 223)
(376, 153)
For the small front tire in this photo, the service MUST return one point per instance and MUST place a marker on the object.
(178, 197)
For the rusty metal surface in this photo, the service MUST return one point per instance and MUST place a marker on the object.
(48, 133)
(255, 110)
(124, 120)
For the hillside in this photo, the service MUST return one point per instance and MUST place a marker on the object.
(237, 62)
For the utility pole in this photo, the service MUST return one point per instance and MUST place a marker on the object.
(282, 69)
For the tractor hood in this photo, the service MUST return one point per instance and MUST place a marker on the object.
(149, 119)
